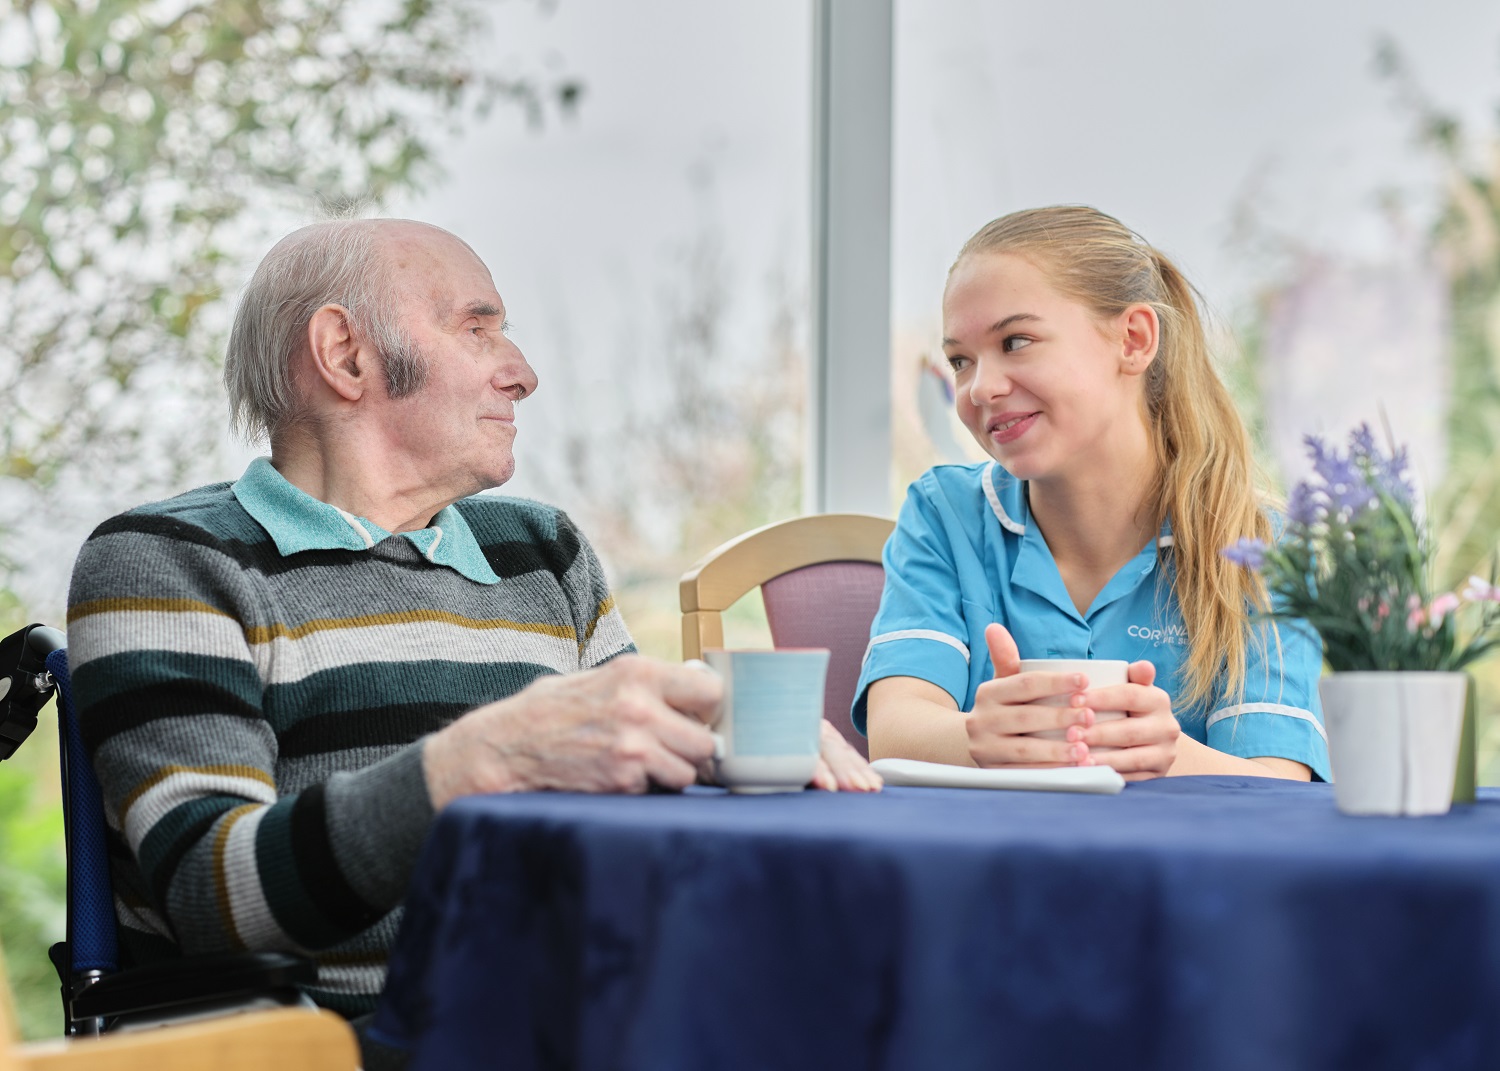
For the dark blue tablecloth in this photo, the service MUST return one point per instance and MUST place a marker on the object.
(1196, 923)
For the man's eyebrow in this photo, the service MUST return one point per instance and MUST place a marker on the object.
(1015, 317)
(479, 308)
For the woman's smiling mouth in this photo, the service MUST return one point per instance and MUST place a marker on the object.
(1009, 427)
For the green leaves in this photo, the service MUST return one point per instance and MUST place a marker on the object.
(32, 870)
(148, 152)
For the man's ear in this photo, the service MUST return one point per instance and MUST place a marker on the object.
(1140, 336)
(340, 360)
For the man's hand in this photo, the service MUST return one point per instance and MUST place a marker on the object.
(840, 767)
(1146, 737)
(1006, 708)
(620, 728)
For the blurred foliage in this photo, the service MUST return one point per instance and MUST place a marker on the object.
(146, 146)
(1239, 353)
(1466, 237)
(32, 873)
(704, 445)
(148, 150)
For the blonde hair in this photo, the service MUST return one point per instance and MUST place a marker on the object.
(1208, 485)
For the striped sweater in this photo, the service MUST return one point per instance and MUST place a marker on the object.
(253, 689)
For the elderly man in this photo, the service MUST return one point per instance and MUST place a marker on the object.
(281, 680)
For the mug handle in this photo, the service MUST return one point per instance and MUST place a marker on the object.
(719, 745)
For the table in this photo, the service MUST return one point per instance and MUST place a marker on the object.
(1202, 922)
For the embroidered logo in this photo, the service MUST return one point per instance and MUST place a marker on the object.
(1172, 635)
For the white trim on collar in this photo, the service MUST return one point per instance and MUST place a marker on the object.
(991, 493)
(354, 523)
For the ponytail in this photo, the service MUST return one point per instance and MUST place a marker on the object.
(1207, 489)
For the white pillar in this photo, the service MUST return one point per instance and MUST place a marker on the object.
(849, 405)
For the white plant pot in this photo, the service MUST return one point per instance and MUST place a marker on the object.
(1393, 740)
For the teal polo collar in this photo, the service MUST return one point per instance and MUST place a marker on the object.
(1034, 568)
(296, 521)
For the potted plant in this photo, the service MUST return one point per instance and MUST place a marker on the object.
(1354, 561)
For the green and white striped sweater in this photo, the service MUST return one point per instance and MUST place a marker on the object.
(253, 685)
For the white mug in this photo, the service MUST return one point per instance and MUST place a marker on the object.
(1100, 672)
(768, 729)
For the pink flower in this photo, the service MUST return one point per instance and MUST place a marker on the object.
(1441, 607)
(1481, 591)
(1415, 620)
(1382, 611)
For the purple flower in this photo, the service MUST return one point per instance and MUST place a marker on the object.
(1352, 482)
(1343, 482)
(1249, 553)
(1393, 477)
(1388, 472)
(1332, 468)
(1353, 497)
(1376, 470)
(1302, 508)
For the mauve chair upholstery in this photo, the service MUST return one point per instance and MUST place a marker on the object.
(831, 605)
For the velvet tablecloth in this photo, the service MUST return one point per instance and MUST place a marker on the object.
(1202, 922)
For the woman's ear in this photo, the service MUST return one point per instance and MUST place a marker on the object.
(1140, 336)
(336, 353)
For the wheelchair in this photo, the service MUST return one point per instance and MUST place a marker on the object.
(98, 996)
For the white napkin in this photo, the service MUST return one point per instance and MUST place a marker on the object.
(1101, 780)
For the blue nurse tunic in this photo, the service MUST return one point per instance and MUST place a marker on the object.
(965, 554)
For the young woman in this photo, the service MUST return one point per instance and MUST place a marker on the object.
(1120, 471)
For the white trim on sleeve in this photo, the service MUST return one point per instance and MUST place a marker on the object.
(994, 496)
(1266, 708)
(917, 634)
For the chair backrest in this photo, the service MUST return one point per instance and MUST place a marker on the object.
(820, 578)
(92, 939)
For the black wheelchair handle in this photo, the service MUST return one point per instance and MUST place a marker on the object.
(25, 684)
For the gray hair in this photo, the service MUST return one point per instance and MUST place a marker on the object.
(331, 263)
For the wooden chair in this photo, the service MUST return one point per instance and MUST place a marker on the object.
(282, 1040)
(820, 578)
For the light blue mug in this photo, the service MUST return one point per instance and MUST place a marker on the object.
(769, 726)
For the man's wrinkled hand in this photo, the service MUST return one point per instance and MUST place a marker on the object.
(622, 727)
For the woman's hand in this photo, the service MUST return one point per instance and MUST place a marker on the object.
(1146, 737)
(1007, 707)
(840, 767)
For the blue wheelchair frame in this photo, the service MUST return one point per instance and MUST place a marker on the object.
(97, 995)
